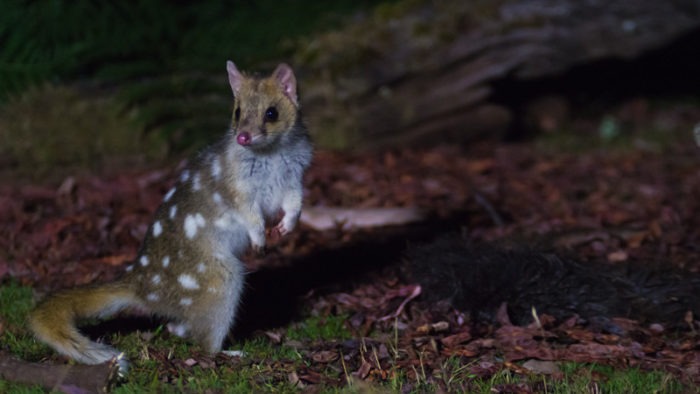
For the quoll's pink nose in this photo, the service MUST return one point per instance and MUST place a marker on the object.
(243, 138)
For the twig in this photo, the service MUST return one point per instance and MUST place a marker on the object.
(415, 293)
(486, 204)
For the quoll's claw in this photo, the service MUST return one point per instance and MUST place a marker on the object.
(275, 234)
(280, 229)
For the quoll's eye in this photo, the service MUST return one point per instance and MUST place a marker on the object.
(271, 114)
(237, 114)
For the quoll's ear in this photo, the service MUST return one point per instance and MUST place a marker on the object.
(235, 77)
(285, 76)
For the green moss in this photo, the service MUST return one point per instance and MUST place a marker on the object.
(16, 388)
(15, 304)
(582, 377)
(59, 126)
(320, 328)
(261, 348)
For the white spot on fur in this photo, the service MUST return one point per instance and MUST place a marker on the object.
(173, 211)
(155, 279)
(201, 267)
(166, 261)
(152, 297)
(193, 223)
(169, 194)
(221, 222)
(185, 176)
(186, 301)
(224, 222)
(144, 260)
(177, 329)
(129, 268)
(196, 182)
(188, 282)
(212, 290)
(216, 168)
(217, 198)
(157, 229)
(219, 256)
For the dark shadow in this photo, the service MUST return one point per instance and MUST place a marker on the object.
(272, 296)
(667, 72)
(123, 324)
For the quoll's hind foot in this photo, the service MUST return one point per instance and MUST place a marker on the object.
(97, 353)
(122, 364)
(106, 354)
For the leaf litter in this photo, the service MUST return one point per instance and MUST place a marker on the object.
(631, 206)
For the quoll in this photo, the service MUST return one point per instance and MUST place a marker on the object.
(188, 269)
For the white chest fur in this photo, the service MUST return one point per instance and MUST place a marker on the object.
(267, 178)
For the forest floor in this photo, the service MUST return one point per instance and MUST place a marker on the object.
(630, 199)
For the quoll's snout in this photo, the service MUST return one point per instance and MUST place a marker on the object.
(243, 138)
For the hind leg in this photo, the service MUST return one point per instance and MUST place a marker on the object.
(209, 336)
(209, 323)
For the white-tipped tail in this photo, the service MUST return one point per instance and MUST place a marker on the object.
(53, 321)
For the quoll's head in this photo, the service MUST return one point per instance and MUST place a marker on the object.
(263, 108)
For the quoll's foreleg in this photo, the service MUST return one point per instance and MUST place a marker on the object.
(291, 206)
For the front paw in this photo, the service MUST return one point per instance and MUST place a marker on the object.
(287, 224)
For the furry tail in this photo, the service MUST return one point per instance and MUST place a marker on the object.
(54, 320)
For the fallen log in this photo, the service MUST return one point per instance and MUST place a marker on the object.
(71, 379)
(423, 71)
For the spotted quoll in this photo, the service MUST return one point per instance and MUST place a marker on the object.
(188, 269)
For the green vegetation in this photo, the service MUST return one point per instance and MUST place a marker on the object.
(266, 367)
(121, 41)
(62, 126)
(161, 63)
(14, 388)
(320, 328)
(15, 303)
(586, 378)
